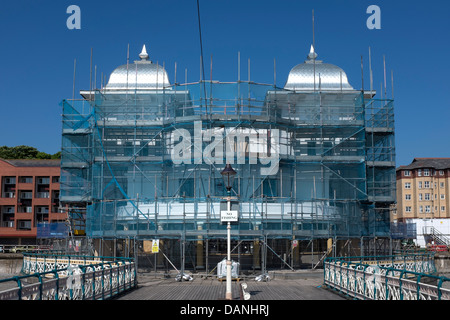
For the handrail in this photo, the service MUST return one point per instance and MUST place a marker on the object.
(399, 278)
(436, 234)
(116, 276)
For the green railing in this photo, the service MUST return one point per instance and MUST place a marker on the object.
(403, 277)
(68, 277)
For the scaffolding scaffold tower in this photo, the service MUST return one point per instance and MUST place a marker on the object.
(315, 163)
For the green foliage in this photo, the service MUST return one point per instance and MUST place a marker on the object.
(26, 152)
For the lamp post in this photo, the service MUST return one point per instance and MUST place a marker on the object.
(228, 175)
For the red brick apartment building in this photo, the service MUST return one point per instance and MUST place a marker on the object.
(29, 196)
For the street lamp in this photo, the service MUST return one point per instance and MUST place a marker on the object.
(228, 175)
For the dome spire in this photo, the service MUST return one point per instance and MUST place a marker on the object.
(312, 53)
(143, 55)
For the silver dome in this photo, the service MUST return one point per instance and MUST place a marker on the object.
(327, 76)
(142, 74)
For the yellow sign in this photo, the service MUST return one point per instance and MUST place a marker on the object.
(155, 246)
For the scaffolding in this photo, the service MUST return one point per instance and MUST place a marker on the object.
(311, 166)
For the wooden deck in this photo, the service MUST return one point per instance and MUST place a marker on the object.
(307, 287)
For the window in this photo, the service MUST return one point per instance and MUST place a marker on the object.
(426, 172)
(427, 209)
(426, 184)
(419, 172)
(421, 209)
(420, 184)
(406, 173)
(26, 179)
(408, 209)
(420, 197)
(442, 196)
(443, 208)
(427, 196)
(441, 184)
(7, 209)
(26, 195)
(407, 185)
(407, 197)
(43, 180)
(441, 172)
(9, 180)
(23, 224)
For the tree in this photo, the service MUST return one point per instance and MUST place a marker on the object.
(25, 152)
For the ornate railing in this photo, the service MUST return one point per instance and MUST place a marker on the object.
(63, 277)
(408, 277)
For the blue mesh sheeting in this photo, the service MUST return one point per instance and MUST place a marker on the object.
(308, 164)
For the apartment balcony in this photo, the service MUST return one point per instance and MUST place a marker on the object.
(8, 195)
(42, 195)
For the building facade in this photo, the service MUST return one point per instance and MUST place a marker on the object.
(423, 200)
(29, 199)
(423, 189)
(315, 163)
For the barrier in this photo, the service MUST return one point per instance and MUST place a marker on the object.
(386, 278)
(62, 277)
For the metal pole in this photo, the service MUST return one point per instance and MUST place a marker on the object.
(228, 295)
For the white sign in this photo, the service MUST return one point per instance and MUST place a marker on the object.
(228, 215)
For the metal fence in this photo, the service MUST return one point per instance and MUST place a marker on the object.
(64, 277)
(407, 277)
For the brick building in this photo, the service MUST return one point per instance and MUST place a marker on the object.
(29, 198)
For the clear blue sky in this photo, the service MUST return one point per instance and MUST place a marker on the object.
(38, 51)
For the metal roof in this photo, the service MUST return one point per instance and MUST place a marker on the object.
(315, 75)
(142, 74)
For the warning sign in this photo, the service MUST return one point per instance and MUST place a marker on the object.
(155, 246)
(228, 216)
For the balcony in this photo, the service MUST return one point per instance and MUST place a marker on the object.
(25, 179)
(42, 180)
(7, 224)
(23, 224)
(26, 195)
(8, 209)
(9, 195)
(45, 195)
(41, 210)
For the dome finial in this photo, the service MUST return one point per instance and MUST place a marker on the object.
(312, 53)
(143, 55)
